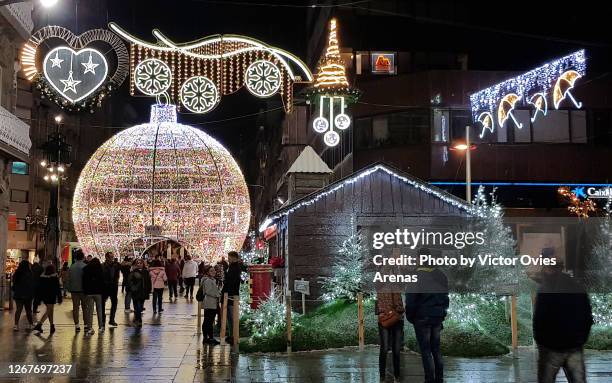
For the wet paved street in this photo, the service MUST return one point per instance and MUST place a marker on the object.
(167, 349)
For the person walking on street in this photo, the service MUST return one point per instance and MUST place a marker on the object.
(181, 263)
(111, 270)
(390, 310)
(126, 268)
(37, 271)
(158, 279)
(139, 284)
(172, 273)
(49, 292)
(93, 288)
(75, 287)
(562, 321)
(64, 278)
(211, 294)
(190, 271)
(426, 309)
(23, 292)
(231, 285)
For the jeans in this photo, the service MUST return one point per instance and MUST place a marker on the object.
(209, 320)
(94, 300)
(230, 317)
(390, 339)
(172, 288)
(113, 298)
(551, 361)
(138, 305)
(158, 295)
(78, 300)
(189, 283)
(428, 337)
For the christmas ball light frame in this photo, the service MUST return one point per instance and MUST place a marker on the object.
(161, 174)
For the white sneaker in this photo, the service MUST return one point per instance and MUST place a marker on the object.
(101, 330)
(15, 328)
(127, 311)
(89, 331)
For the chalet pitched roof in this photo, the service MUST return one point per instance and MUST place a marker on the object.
(377, 167)
(309, 162)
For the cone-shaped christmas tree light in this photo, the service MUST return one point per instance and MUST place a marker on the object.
(331, 90)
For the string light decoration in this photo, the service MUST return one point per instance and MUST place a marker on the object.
(582, 208)
(76, 75)
(412, 181)
(164, 176)
(331, 91)
(230, 62)
(531, 88)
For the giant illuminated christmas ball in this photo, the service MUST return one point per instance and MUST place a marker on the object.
(160, 181)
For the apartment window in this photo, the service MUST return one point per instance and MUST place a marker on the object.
(18, 167)
(554, 128)
(441, 125)
(601, 122)
(19, 196)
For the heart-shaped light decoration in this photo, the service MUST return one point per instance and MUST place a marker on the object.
(75, 74)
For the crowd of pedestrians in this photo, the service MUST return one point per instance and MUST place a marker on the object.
(91, 284)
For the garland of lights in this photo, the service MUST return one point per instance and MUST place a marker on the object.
(331, 85)
(530, 88)
(157, 181)
(412, 181)
(228, 62)
(74, 75)
(582, 209)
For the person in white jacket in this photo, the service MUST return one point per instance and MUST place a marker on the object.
(211, 303)
(190, 271)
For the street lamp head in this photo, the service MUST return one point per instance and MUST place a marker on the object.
(48, 3)
(46, 177)
(60, 168)
(37, 210)
(54, 178)
(58, 119)
(43, 163)
(461, 146)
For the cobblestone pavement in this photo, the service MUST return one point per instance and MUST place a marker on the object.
(167, 349)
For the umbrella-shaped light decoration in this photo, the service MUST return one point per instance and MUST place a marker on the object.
(486, 119)
(505, 108)
(540, 104)
(562, 88)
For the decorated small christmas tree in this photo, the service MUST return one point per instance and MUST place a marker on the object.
(347, 274)
(599, 264)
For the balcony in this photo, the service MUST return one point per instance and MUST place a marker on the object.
(14, 136)
(19, 15)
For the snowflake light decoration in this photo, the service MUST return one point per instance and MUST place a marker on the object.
(263, 78)
(152, 77)
(199, 94)
(162, 175)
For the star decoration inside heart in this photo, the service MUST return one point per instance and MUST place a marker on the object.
(90, 67)
(70, 83)
(57, 62)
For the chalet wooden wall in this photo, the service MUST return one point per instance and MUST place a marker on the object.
(315, 232)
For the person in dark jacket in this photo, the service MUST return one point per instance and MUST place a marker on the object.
(172, 273)
(126, 267)
(426, 308)
(562, 322)
(231, 285)
(391, 338)
(181, 263)
(23, 292)
(110, 270)
(49, 292)
(37, 271)
(139, 283)
(93, 288)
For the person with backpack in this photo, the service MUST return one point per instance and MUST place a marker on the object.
(23, 292)
(139, 284)
(158, 280)
(111, 270)
(75, 287)
(126, 267)
(189, 272)
(390, 310)
(48, 292)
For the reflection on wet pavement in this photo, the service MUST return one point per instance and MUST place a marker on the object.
(167, 349)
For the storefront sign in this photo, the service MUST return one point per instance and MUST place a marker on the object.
(383, 63)
(301, 286)
(595, 192)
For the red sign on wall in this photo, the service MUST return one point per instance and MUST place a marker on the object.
(12, 221)
(383, 63)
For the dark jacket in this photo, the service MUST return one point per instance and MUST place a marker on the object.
(561, 320)
(429, 298)
(231, 284)
(139, 283)
(37, 271)
(48, 290)
(110, 272)
(172, 271)
(23, 285)
(93, 279)
(125, 271)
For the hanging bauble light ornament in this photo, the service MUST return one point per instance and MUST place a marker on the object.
(330, 92)
(161, 181)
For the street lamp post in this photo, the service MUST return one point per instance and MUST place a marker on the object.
(467, 147)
